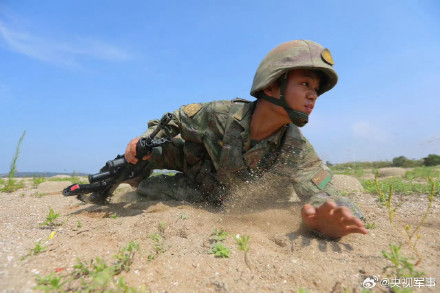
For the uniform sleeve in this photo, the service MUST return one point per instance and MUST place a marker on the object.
(311, 179)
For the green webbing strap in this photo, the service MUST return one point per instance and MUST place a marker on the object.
(297, 117)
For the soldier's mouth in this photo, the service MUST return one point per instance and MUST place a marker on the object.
(309, 108)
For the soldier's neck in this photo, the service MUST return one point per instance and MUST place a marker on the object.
(266, 120)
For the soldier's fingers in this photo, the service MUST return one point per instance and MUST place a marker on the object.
(308, 210)
(342, 212)
(327, 208)
(353, 221)
(355, 229)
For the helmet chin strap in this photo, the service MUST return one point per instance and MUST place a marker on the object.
(297, 117)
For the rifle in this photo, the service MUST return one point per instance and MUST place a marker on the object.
(116, 171)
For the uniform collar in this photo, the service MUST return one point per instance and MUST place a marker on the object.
(243, 117)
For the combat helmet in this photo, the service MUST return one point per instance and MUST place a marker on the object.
(298, 54)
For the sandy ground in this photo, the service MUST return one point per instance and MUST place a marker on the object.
(283, 257)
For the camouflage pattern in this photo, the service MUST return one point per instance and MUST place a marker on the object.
(213, 150)
(294, 55)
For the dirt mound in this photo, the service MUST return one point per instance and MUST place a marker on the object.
(347, 184)
(392, 172)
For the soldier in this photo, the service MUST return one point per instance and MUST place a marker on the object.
(222, 144)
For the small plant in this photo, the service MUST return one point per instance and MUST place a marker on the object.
(37, 180)
(219, 235)
(11, 184)
(401, 266)
(158, 244)
(36, 250)
(38, 194)
(301, 290)
(161, 228)
(219, 250)
(183, 216)
(93, 276)
(78, 224)
(51, 219)
(51, 283)
(124, 257)
(114, 216)
(370, 226)
(243, 245)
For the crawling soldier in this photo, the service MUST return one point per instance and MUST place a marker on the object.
(221, 144)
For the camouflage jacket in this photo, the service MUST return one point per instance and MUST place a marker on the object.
(217, 149)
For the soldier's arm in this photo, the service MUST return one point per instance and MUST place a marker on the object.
(313, 180)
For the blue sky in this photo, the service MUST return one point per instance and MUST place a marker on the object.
(84, 77)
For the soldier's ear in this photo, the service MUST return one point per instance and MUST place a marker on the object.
(273, 90)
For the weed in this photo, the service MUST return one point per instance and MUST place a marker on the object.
(78, 224)
(183, 216)
(37, 181)
(11, 184)
(301, 290)
(36, 250)
(161, 228)
(401, 266)
(114, 216)
(219, 250)
(124, 257)
(38, 194)
(243, 245)
(158, 244)
(93, 276)
(51, 283)
(219, 235)
(370, 226)
(51, 219)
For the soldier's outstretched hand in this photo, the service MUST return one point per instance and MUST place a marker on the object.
(130, 151)
(331, 220)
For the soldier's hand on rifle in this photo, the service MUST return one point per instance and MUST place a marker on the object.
(130, 152)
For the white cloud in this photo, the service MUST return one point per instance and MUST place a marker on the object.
(366, 130)
(58, 52)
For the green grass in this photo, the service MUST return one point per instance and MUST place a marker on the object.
(74, 180)
(350, 171)
(11, 184)
(423, 172)
(400, 186)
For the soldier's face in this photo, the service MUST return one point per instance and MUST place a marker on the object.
(301, 90)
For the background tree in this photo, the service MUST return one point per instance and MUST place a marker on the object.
(431, 160)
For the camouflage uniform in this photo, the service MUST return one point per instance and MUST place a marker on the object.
(214, 152)
(212, 148)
